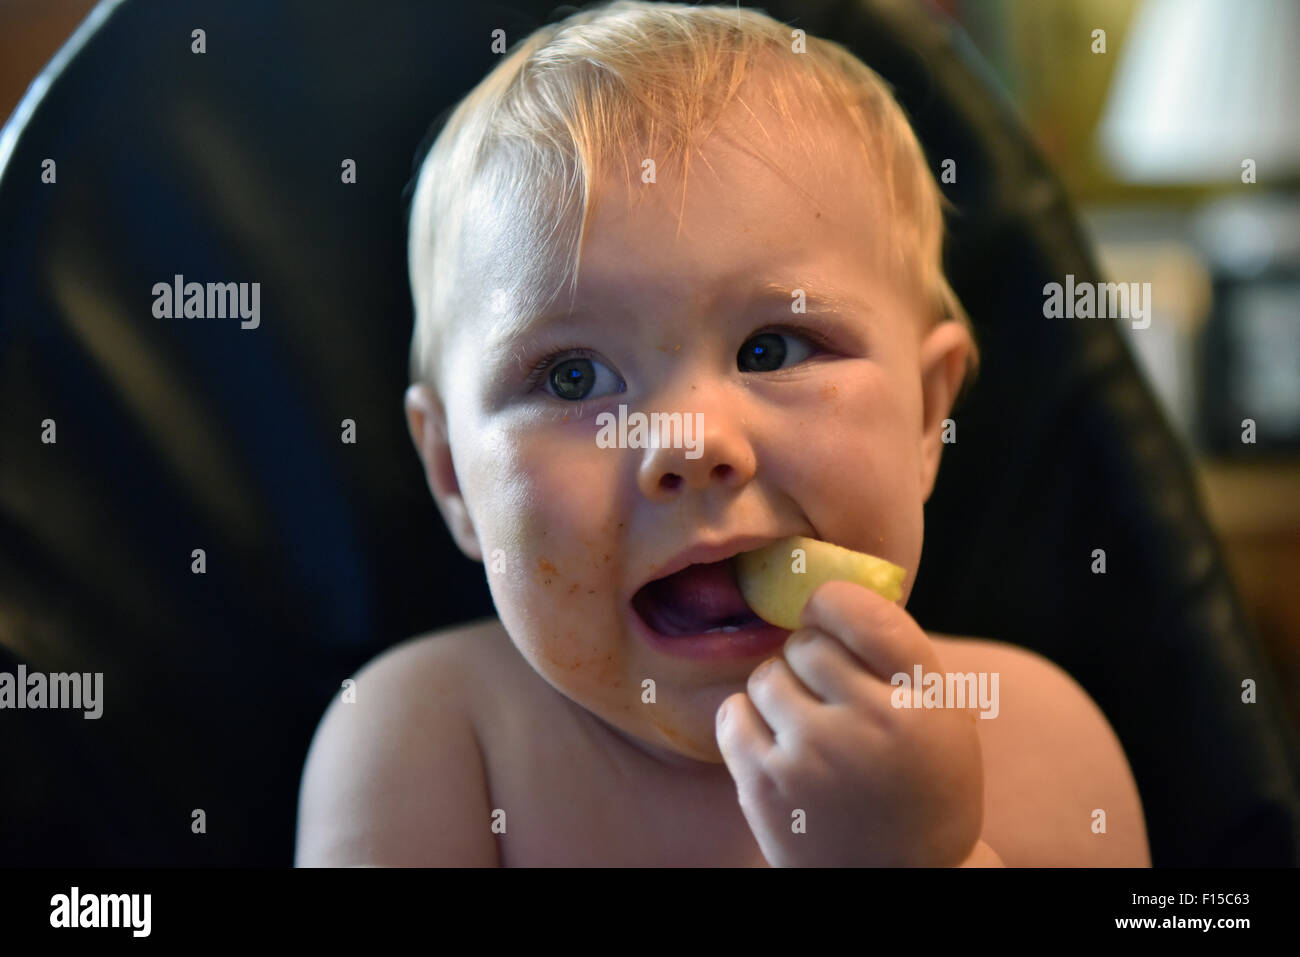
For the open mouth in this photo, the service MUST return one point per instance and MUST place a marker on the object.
(698, 600)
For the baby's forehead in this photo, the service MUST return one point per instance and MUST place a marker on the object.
(815, 157)
(714, 236)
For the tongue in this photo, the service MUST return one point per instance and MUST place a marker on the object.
(694, 600)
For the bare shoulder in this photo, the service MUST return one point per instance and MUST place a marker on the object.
(394, 775)
(1055, 772)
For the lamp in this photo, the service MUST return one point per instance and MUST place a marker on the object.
(1202, 85)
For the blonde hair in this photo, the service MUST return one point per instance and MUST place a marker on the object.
(514, 164)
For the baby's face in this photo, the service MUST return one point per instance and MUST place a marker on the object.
(822, 423)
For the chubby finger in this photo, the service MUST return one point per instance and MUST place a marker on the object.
(829, 670)
(882, 635)
(743, 738)
(782, 700)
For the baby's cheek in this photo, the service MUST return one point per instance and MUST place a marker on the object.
(569, 574)
(561, 607)
(548, 499)
(869, 498)
(590, 672)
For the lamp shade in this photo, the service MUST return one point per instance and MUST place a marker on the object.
(1201, 86)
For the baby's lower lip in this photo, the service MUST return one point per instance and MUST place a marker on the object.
(750, 641)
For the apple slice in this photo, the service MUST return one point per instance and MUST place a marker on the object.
(778, 579)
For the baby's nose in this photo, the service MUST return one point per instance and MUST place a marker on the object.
(718, 454)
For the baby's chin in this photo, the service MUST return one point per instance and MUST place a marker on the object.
(678, 727)
(663, 735)
(681, 739)
(693, 751)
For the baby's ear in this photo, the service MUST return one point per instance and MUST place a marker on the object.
(943, 366)
(427, 420)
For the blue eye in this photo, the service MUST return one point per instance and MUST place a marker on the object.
(577, 376)
(767, 352)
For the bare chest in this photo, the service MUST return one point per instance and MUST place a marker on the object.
(589, 822)
(560, 798)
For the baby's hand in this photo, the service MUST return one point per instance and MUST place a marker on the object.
(877, 785)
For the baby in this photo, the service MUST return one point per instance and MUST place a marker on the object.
(759, 241)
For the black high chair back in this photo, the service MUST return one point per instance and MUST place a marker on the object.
(176, 436)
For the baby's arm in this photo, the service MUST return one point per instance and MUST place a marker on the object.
(1051, 763)
(396, 778)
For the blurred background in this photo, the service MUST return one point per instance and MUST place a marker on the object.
(1180, 145)
(1176, 130)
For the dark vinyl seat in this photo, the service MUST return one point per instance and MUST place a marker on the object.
(176, 435)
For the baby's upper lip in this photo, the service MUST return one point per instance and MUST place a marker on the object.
(707, 551)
